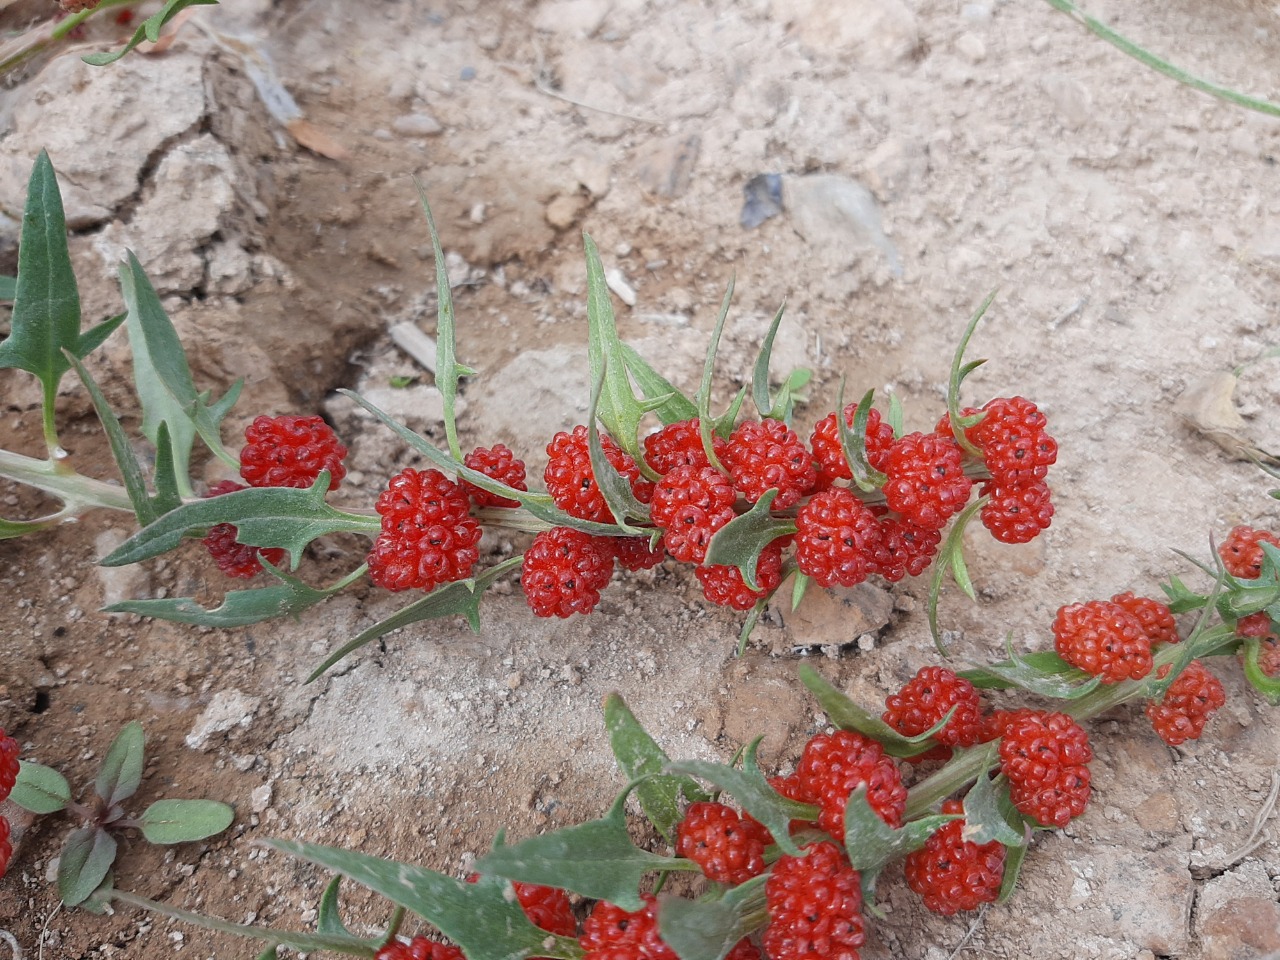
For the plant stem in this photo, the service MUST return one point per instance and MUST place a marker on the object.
(59, 32)
(78, 492)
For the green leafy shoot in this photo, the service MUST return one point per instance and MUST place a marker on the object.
(1043, 673)
(709, 929)
(664, 399)
(40, 789)
(86, 857)
(448, 371)
(121, 771)
(740, 542)
(642, 760)
(613, 486)
(722, 426)
(798, 588)
(951, 558)
(148, 30)
(847, 715)
(960, 370)
(705, 422)
(329, 919)
(871, 843)
(183, 821)
(853, 441)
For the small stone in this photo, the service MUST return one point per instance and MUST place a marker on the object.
(616, 282)
(594, 174)
(562, 212)
(971, 47)
(228, 709)
(130, 582)
(416, 125)
(514, 680)
(260, 799)
(578, 18)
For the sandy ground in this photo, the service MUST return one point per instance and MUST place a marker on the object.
(929, 152)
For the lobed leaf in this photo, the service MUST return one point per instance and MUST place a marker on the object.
(989, 814)
(740, 542)
(182, 821)
(86, 857)
(951, 557)
(760, 394)
(1014, 856)
(329, 920)
(1043, 673)
(853, 441)
(871, 843)
(960, 370)
(663, 399)
(148, 30)
(706, 424)
(121, 771)
(1266, 685)
(847, 715)
(709, 929)
(40, 789)
(613, 486)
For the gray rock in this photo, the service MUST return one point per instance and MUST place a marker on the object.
(227, 710)
(833, 213)
(1237, 917)
(416, 125)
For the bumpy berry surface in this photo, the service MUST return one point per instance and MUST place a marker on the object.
(679, 445)
(1255, 625)
(6, 848)
(726, 845)
(633, 553)
(8, 765)
(611, 933)
(572, 483)
(834, 765)
(546, 907)
(291, 451)
(564, 571)
(838, 539)
(496, 463)
(1045, 757)
(952, 873)
(724, 585)
(690, 504)
(1155, 617)
(829, 452)
(1187, 705)
(763, 455)
(928, 697)
(905, 549)
(927, 484)
(1015, 445)
(744, 949)
(1102, 639)
(1017, 514)
(428, 538)
(1241, 552)
(815, 907)
(233, 558)
(419, 948)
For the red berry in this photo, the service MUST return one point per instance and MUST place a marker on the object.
(838, 539)
(927, 484)
(233, 558)
(1241, 552)
(1155, 617)
(726, 845)
(6, 848)
(548, 908)
(927, 698)
(764, 455)
(496, 463)
(9, 764)
(904, 549)
(997, 722)
(690, 504)
(564, 571)
(952, 873)
(428, 537)
(1102, 639)
(419, 948)
(815, 907)
(1045, 757)
(1256, 625)
(291, 452)
(1187, 705)
(834, 765)
(724, 585)
(611, 933)
(1016, 514)
(744, 949)
(829, 452)
(571, 482)
(634, 553)
(1015, 445)
(679, 445)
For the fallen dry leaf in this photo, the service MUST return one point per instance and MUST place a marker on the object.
(1209, 407)
(316, 139)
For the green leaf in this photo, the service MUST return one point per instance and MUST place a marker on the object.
(1013, 859)
(895, 415)
(1181, 598)
(11, 529)
(1266, 685)
(613, 486)
(8, 287)
(799, 588)
(1043, 673)
(760, 373)
(451, 600)
(854, 442)
(121, 771)
(40, 789)
(705, 422)
(99, 902)
(709, 929)
(86, 858)
(447, 370)
(784, 405)
(871, 843)
(639, 756)
(168, 494)
(595, 859)
(181, 821)
(264, 517)
(989, 814)
(847, 715)
(740, 542)
(271, 953)
(330, 918)
(951, 558)
(960, 370)
(149, 30)
(668, 403)
(750, 788)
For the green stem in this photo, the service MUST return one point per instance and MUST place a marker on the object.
(1148, 59)
(78, 492)
(956, 775)
(50, 425)
(60, 31)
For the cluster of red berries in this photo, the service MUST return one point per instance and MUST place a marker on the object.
(8, 776)
(1242, 555)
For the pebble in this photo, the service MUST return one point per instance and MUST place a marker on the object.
(228, 709)
(971, 47)
(260, 799)
(416, 125)
(616, 282)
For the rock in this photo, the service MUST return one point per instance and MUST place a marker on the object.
(416, 125)
(575, 18)
(260, 799)
(838, 617)
(665, 166)
(833, 213)
(592, 173)
(875, 33)
(228, 709)
(1069, 96)
(131, 582)
(617, 282)
(418, 406)
(971, 47)
(1237, 916)
(562, 212)
(534, 396)
(761, 199)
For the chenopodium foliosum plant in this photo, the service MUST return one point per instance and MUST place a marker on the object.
(653, 473)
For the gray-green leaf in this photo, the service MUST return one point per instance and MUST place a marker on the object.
(86, 858)
(40, 789)
(121, 771)
(181, 821)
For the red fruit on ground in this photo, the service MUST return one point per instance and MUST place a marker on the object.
(546, 907)
(724, 585)
(744, 949)
(1256, 625)
(611, 933)
(291, 451)
(9, 765)
(904, 549)
(679, 445)
(1241, 552)
(838, 539)
(496, 463)
(1187, 705)
(690, 504)
(1045, 756)
(763, 455)
(634, 554)
(834, 765)
(428, 537)
(233, 558)
(829, 452)
(571, 482)
(1055, 801)
(927, 484)
(419, 948)
(726, 845)
(815, 907)
(952, 873)
(1155, 617)
(564, 571)
(928, 697)
(1103, 639)
(1015, 445)
(1016, 514)
(6, 848)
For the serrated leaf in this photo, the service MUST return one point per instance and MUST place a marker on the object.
(1181, 598)
(40, 789)
(740, 542)
(847, 715)
(871, 843)
(722, 426)
(639, 756)
(784, 404)
(330, 918)
(675, 406)
(86, 858)
(752, 791)
(447, 371)
(709, 929)
(284, 517)
(854, 442)
(613, 486)
(451, 600)
(951, 558)
(149, 30)
(960, 370)
(595, 859)
(121, 771)
(760, 373)
(1042, 672)
(182, 821)
(989, 814)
